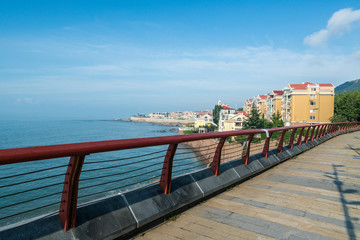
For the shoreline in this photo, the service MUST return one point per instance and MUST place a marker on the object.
(162, 122)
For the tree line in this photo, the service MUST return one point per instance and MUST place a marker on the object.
(347, 107)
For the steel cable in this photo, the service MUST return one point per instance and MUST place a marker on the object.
(121, 159)
(114, 174)
(41, 170)
(18, 203)
(119, 180)
(34, 209)
(121, 165)
(108, 190)
(32, 180)
(33, 189)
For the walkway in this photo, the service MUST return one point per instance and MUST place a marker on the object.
(315, 195)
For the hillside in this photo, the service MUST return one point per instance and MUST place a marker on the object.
(348, 86)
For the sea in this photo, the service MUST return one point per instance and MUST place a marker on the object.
(33, 189)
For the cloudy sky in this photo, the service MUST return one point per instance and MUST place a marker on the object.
(108, 59)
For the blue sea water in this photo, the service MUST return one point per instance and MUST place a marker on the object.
(103, 174)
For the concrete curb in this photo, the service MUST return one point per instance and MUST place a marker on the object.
(117, 216)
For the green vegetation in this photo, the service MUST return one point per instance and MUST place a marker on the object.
(216, 114)
(347, 107)
(348, 87)
(255, 122)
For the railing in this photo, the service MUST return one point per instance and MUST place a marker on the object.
(37, 179)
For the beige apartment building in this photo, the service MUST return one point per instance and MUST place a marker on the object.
(260, 102)
(273, 103)
(231, 119)
(248, 105)
(307, 103)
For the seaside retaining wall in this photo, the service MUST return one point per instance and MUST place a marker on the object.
(117, 216)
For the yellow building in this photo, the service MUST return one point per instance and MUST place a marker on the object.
(273, 103)
(307, 103)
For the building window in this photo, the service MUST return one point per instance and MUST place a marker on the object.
(313, 96)
(312, 103)
(312, 111)
(312, 117)
(313, 89)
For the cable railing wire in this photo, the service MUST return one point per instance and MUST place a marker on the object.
(185, 169)
(31, 210)
(185, 164)
(113, 189)
(121, 165)
(182, 159)
(30, 200)
(120, 180)
(127, 158)
(33, 180)
(37, 171)
(114, 174)
(29, 190)
(189, 148)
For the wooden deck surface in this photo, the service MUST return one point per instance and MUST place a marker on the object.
(315, 195)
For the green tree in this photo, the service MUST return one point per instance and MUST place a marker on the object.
(276, 120)
(347, 107)
(216, 114)
(254, 121)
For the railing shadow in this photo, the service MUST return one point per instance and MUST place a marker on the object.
(354, 149)
(344, 203)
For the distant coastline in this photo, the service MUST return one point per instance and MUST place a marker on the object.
(164, 122)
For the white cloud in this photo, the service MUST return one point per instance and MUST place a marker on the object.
(339, 23)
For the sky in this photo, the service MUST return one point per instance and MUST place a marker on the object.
(91, 59)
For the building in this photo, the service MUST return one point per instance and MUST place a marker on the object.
(203, 119)
(273, 103)
(259, 103)
(248, 105)
(230, 119)
(307, 103)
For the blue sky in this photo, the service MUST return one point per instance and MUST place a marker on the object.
(108, 59)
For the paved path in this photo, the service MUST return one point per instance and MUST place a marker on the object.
(315, 195)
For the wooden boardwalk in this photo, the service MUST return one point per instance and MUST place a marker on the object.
(315, 195)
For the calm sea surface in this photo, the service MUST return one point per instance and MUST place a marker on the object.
(28, 195)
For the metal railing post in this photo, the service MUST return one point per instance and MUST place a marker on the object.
(312, 134)
(68, 203)
(165, 180)
(321, 129)
(281, 141)
(215, 165)
(265, 151)
(300, 137)
(307, 135)
(291, 142)
(246, 157)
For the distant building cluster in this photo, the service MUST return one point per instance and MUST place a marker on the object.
(298, 104)
(187, 115)
(231, 119)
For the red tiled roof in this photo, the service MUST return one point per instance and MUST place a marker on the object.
(227, 108)
(298, 86)
(305, 85)
(278, 92)
(243, 112)
(263, 96)
(326, 85)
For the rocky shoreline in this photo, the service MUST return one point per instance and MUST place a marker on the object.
(163, 122)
